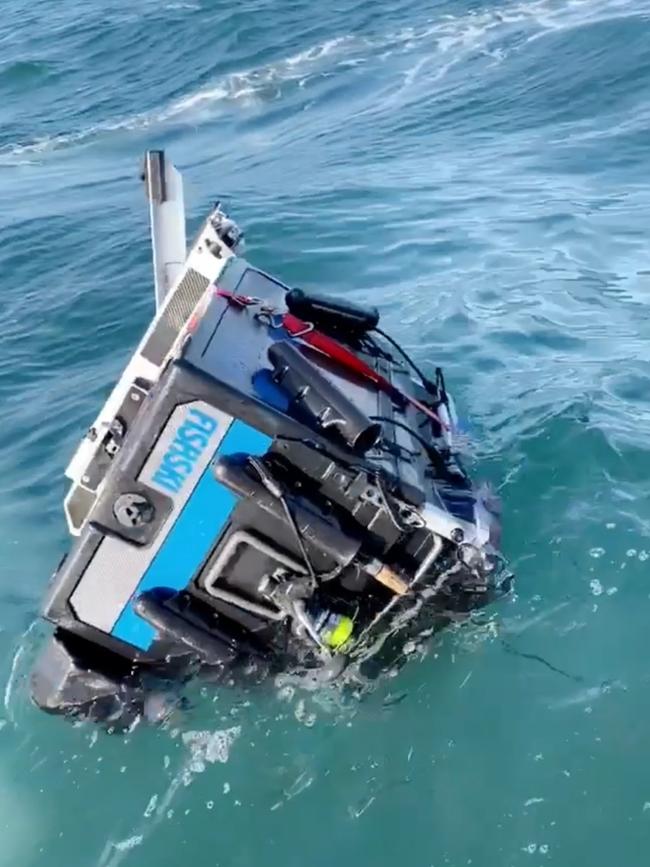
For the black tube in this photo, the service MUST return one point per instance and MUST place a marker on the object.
(331, 313)
(157, 608)
(316, 531)
(324, 405)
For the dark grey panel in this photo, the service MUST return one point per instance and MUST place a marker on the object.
(112, 438)
(176, 313)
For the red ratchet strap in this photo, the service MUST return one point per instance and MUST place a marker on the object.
(335, 351)
(241, 300)
(339, 353)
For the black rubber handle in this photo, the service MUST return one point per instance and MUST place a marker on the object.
(332, 314)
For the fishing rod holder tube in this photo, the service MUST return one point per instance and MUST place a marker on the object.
(177, 619)
(315, 397)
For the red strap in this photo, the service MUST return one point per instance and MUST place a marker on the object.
(347, 359)
(336, 351)
(242, 300)
(332, 348)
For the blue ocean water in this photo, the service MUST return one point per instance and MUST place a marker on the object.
(480, 171)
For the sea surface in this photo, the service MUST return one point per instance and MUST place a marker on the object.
(481, 172)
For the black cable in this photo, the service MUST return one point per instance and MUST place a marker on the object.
(275, 489)
(403, 528)
(435, 458)
(369, 345)
(509, 648)
(440, 385)
(425, 445)
(428, 383)
(301, 543)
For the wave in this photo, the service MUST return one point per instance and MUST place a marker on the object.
(451, 39)
(235, 87)
(23, 72)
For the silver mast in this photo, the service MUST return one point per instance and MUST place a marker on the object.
(164, 185)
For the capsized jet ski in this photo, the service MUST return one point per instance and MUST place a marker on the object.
(272, 486)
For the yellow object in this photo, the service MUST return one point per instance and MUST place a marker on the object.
(340, 632)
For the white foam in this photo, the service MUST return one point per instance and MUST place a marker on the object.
(129, 843)
(11, 680)
(205, 747)
(596, 587)
(114, 852)
(587, 695)
(55, 142)
(151, 806)
(236, 87)
(14, 673)
(303, 781)
(209, 747)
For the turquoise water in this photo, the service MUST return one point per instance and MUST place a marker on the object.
(480, 171)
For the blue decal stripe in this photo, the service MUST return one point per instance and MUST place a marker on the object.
(192, 535)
